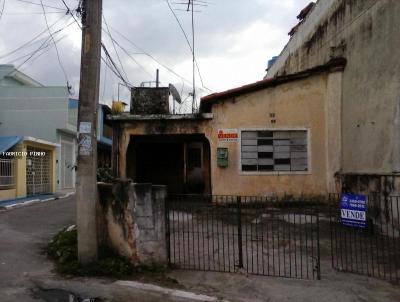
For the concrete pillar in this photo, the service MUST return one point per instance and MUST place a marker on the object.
(149, 220)
(134, 221)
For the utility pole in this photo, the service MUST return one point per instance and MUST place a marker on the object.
(86, 189)
(191, 2)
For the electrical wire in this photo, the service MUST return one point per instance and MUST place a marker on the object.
(31, 41)
(128, 54)
(115, 48)
(187, 41)
(45, 50)
(117, 72)
(110, 65)
(55, 45)
(29, 14)
(152, 57)
(34, 3)
(70, 12)
(45, 44)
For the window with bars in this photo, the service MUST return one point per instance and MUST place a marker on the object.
(277, 150)
(7, 173)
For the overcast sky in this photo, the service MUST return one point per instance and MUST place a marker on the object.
(234, 41)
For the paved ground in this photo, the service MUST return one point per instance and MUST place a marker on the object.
(23, 234)
(25, 231)
(337, 287)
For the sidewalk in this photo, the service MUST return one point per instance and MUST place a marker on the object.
(19, 202)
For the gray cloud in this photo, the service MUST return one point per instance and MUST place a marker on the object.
(234, 40)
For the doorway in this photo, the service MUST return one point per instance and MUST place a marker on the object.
(181, 162)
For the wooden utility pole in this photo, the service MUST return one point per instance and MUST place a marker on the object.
(86, 191)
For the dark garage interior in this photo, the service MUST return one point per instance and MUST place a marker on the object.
(181, 162)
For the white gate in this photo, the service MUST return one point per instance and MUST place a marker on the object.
(67, 165)
(38, 172)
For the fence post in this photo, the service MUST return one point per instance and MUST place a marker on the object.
(239, 221)
(318, 250)
(168, 231)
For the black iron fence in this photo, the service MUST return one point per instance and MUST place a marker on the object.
(256, 235)
(374, 250)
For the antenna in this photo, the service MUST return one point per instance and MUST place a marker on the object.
(175, 96)
(189, 7)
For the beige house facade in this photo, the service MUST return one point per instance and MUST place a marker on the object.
(367, 34)
(273, 137)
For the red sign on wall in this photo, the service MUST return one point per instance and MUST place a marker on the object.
(228, 135)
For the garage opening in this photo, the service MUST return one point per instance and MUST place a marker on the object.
(181, 162)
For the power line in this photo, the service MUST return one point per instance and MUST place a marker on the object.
(128, 54)
(45, 50)
(34, 3)
(152, 57)
(70, 12)
(45, 44)
(41, 47)
(32, 13)
(190, 8)
(114, 66)
(30, 42)
(187, 41)
(55, 45)
(111, 65)
(115, 49)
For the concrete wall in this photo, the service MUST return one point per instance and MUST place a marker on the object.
(311, 104)
(145, 100)
(367, 34)
(132, 221)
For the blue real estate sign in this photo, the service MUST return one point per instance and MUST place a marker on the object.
(353, 210)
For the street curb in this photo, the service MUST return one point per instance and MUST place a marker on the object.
(173, 293)
(33, 201)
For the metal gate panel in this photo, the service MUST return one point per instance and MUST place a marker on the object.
(373, 251)
(38, 172)
(251, 234)
(67, 165)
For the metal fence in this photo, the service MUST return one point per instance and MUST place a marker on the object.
(7, 173)
(257, 235)
(374, 250)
